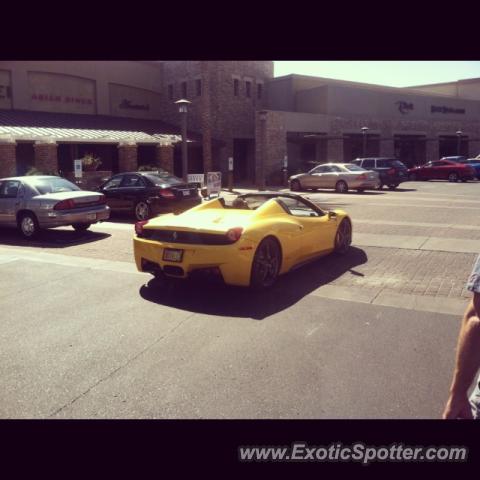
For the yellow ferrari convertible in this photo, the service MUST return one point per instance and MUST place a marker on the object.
(249, 242)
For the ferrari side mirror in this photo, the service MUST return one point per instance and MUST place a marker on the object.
(332, 215)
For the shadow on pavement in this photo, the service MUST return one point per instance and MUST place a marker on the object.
(218, 299)
(50, 238)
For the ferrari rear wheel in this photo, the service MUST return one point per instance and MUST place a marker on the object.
(266, 264)
(343, 238)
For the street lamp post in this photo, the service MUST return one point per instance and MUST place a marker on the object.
(364, 133)
(459, 139)
(183, 110)
(263, 123)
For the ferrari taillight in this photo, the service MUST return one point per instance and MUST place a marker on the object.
(234, 234)
(65, 205)
(363, 176)
(139, 227)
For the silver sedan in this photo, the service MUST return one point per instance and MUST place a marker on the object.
(31, 203)
(339, 176)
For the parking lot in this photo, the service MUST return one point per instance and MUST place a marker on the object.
(370, 335)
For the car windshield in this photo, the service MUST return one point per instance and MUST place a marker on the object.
(161, 178)
(354, 168)
(46, 185)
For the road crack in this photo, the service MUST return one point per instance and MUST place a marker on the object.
(128, 362)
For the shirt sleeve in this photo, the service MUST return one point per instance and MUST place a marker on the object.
(473, 283)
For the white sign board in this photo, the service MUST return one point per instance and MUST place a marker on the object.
(214, 182)
(230, 164)
(196, 178)
(77, 168)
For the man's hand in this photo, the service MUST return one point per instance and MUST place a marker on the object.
(458, 406)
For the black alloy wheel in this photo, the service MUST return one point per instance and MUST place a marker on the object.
(341, 187)
(28, 225)
(81, 227)
(142, 210)
(266, 264)
(453, 177)
(393, 186)
(343, 237)
(295, 186)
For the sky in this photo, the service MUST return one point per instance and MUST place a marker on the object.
(393, 74)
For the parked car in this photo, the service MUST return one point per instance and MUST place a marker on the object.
(442, 170)
(146, 194)
(340, 176)
(391, 170)
(455, 158)
(248, 243)
(31, 203)
(473, 162)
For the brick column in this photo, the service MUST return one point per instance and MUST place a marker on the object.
(273, 143)
(8, 162)
(335, 148)
(127, 157)
(432, 148)
(206, 118)
(46, 157)
(164, 157)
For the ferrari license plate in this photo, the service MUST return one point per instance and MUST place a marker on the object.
(186, 193)
(91, 216)
(172, 255)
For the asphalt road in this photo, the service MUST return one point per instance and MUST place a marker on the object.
(85, 336)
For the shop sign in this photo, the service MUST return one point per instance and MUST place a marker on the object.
(131, 106)
(197, 178)
(61, 99)
(443, 109)
(404, 107)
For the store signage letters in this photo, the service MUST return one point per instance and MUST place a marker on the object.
(58, 98)
(443, 109)
(128, 104)
(404, 107)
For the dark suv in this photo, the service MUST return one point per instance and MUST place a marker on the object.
(392, 172)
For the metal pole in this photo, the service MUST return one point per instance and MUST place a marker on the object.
(364, 143)
(184, 147)
(458, 144)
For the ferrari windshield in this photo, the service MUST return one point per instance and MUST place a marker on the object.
(46, 185)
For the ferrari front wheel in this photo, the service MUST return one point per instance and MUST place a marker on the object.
(266, 264)
(343, 237)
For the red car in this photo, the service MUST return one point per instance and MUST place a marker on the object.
(442, 170)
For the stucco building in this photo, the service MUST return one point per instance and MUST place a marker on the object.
(124, 112)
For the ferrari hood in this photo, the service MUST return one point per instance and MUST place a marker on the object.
(211, 220)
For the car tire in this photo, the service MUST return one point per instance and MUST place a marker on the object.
(142, 211)
(453, 177)
(266, 264)
(393, 186)
(343, 237)
(28, 225)
(341, 187)
(295, 186)
(81, 227)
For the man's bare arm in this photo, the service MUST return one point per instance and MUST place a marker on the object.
(467, 362)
